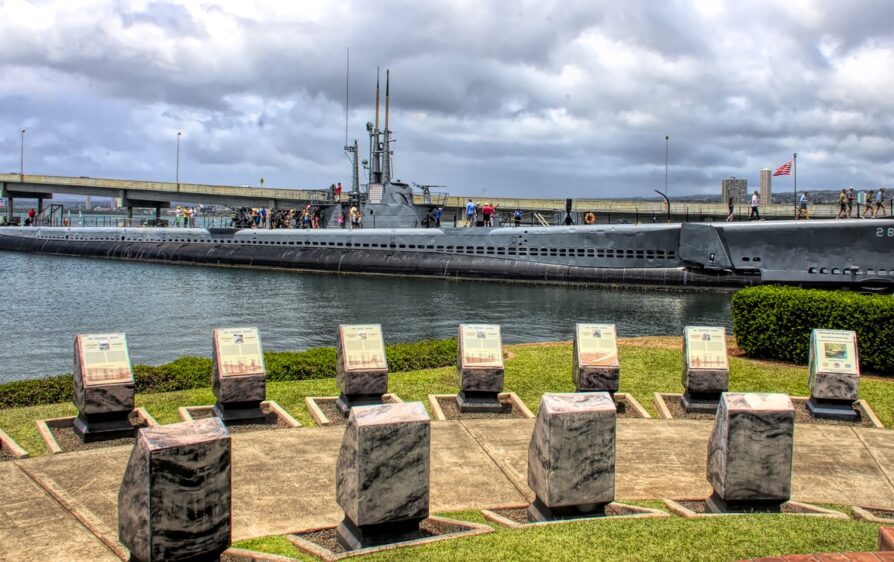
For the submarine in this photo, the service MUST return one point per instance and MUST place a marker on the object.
(854, 254)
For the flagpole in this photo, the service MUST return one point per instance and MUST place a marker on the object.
(795, 162)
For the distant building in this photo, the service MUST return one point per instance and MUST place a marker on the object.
(737, 188)
(766, 186)
(88, 203)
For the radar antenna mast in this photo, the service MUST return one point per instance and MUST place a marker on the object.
(351, 150)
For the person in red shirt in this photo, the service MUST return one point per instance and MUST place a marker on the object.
(487, 213)
(338, 192)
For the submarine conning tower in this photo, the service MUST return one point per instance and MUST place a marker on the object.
(387, 203)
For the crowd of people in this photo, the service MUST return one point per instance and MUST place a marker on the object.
(487, 214)
(308, 217)
(873, 205)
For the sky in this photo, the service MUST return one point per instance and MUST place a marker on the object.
(542, 98)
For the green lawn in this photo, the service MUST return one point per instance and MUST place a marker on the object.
(530, 372)
(671, 539)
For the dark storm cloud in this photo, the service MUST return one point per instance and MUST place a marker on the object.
(563, 97)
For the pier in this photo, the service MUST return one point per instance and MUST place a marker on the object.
(160, 195)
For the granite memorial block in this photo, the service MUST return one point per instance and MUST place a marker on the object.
(750, 452)
(361, 369)
(479, 368)
(382, 475)
(705, 368)
(103, 387)
(238, 375)
(571, 457)
(596, 365)
(834, 375)
(175, 501)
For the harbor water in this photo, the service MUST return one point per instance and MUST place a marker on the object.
(168, 310)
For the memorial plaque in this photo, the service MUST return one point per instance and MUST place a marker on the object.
(479, 368)
(382, 474)
(238, 352)
(238, 378)
(363, 347)
(705, 368)
(482, 346)
(175, 500)
(834, 374)
(104, 359)
(362, 367)
(103, 387)
(706, 348)
(750, 452)
(571, 455)
(596, 366)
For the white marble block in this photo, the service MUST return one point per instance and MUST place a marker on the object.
(571, 457)
(751, 447)
(382, 475)
(175, 501)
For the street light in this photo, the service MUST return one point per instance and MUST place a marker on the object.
(666, 150)
(178, 157)
(22, 155)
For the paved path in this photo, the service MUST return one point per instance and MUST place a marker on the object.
(63, 507)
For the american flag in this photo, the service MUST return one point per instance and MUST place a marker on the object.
(784, 170)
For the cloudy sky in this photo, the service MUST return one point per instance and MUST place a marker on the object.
(521, 98)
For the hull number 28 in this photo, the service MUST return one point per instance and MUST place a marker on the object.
(884, 232)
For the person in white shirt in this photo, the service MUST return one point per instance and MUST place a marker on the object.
(880, 201)
(755, 203)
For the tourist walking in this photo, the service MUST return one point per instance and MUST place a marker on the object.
(867, 209)
(470, 213)
(880, 202)
(802, 207)
(755, 207)
(517, 217)
(842, 205)
(487, 212)
(732, 208)
(851, 197)
(437, 214)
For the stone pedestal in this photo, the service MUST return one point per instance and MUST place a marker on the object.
(103, 387)
(238, 375)
(382, 475)
(705, 368)
(571, 458)
(361, 368)
(596, 365)
(834, 375)
(175, 501)
(479, 368)
(750, 452)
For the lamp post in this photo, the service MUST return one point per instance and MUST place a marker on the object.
(179, 133)
(666, 151)
(22, 155)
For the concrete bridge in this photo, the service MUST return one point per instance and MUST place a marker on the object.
(160, 195)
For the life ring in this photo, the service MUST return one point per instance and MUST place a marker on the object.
(590, 218)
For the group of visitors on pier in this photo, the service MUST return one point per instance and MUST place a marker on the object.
(873, 204)
(487, 214)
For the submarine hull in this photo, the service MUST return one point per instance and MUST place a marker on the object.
(377, 262)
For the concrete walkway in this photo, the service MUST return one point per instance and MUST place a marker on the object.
(63, 507)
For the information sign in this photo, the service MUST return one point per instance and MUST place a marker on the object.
(597, 345)
(104, 359)
(363, 347)
(482, 345)
(239, 352)
(834, 351)
(706, 348)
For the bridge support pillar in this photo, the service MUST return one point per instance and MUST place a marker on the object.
(9, 203)
(158, 213)
(39, 205)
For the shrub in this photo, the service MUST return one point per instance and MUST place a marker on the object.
(775, 322)
(195, 372)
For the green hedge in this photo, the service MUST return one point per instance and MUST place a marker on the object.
(775, 322)
(195, 372)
